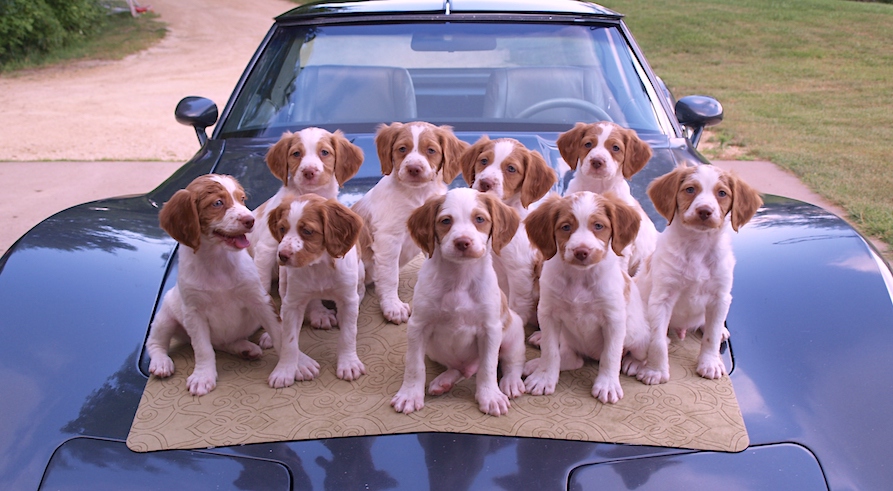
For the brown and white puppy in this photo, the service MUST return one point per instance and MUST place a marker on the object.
(461, 318)
(312, 160)
(589, 306)
(418, 160)
(317, 248)
(519, 177)
(604, 156)
(218, 301)
(687, 282)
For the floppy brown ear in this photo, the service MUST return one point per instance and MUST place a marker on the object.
(469, 158)
(662, 192)
(348, 157)
(504, 220)
(384, 144)
(341, 228)
(625, 222)
(179, 218)
(538, 178)
(540, 225)
(745, 201)
(569, 144)
(421, 223)
(274, 218)
(277, 157)
(452, 151)
(637, 154)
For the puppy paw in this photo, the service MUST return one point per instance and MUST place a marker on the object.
(251, 351)
(711, 367)
(395, 311)
(651, 376)
(535, 338)
(200, 384)
(444, 382)
(161, 366)
(282, 376)
(631, 366)
(265, 341)
(513, 387)
(607, 390)
(725, 333)
(321, 317)
(308, 368)
(350, 368)
(407, 401)
(493, 402)
(539, 383)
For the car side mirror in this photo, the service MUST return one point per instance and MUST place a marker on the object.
(696, 112)
(197, 112)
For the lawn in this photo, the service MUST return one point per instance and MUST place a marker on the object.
(806, 84)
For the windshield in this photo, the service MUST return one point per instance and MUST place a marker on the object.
(473, 76)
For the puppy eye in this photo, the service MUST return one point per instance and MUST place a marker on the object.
(324, 153)
(296, 154)
(282, 230)
(446, 221)
(616, 148)
(511, 169)
(566, 227)
(479, 219)
(722, 194)
(307, 231)
(598, 226)
(402, 149)
(485, 161)
(690, 190)
(431, 151)
(218, 203)
(588, 144)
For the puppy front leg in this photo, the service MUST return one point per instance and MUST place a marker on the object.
(386, 274)
(349, 365)
(411, 396)
(512, 355)
(657, 367)
(159, 342)
(204, 377)
(710, 364)
(607, 383)
(490, 399)
(543, 371)
(293, 364)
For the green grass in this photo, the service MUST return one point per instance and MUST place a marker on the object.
(120, 35)
(806, 84)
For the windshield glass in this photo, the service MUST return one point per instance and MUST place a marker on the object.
(473, 76)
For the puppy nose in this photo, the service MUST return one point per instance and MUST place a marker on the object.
(283, 258)
(248, 222)
(486, 185)
(413, 170)
(597, 163)
(462, 244)
(581, 254)
(704, 213)
(309, 174)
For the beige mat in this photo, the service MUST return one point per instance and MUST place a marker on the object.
(687, 412)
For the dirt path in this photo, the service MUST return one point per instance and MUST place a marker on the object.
(123, 110)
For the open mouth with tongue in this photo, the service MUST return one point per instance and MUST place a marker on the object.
(234, 241)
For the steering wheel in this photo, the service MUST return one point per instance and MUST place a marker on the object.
(565, 102)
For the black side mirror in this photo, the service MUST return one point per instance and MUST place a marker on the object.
(696, 112)
(197, 112)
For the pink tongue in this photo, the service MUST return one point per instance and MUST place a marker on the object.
(240, 242)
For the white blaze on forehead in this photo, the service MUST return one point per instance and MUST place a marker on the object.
(295, 212)
(416, 130)
(583, 205)
(708, 178)
(459, 204)
(502, 150)
(227, 182)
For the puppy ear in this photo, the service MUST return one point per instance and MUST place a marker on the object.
(348, 157)
(637, 154)
(277, 157)
(505, 221)
(341, 228)
(421, 223)
(179, 218)
(569, 144)
(745, 201)
(538, 178)
(384, 144)
(625, 222)
(452, 150)
(469, 158)
(663, 189)
(275, 217)
(540, 225)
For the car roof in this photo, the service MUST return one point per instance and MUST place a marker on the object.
(340, 8)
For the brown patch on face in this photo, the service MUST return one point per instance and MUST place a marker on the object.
(284, 155)
(600, 224)
(189, 212)
(311, 229)
(475, 158)
(386, 146)
(629, 150)
(575, 143)
(663, 191)
(422, 225)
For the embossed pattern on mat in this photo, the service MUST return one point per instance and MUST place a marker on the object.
(687, 412)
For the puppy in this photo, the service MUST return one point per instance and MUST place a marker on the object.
(461, 319)
(418, 160)
(607, 155)
(687, 283)
(589, 306)
(519, 177)
(309, 161)
(218, 301)
(317, 238)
